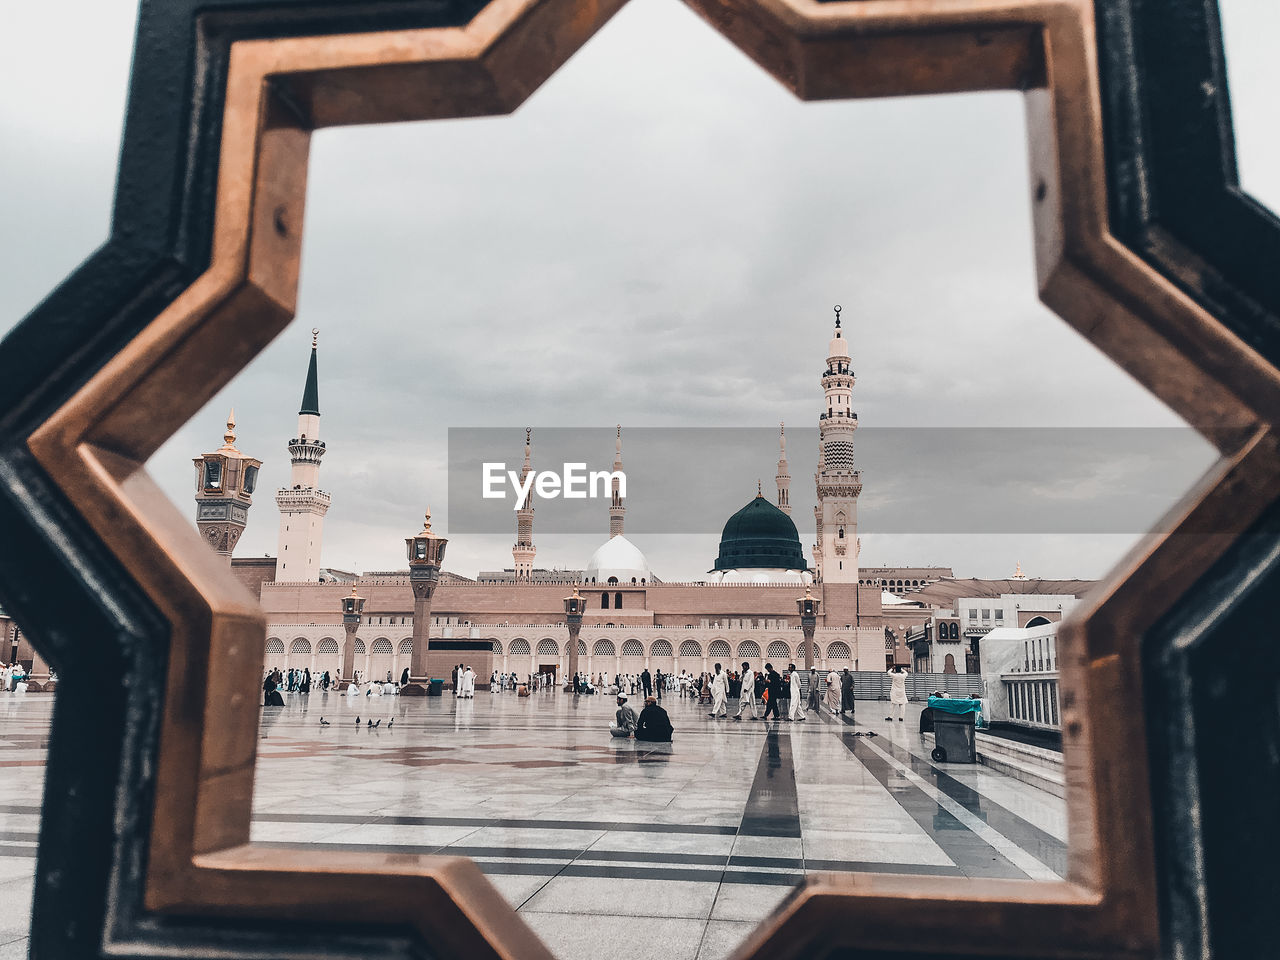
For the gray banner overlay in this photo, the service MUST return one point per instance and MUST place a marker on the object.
(915, 480)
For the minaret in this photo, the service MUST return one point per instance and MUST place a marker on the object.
(784, 475)
(616, 510)
(524, 551)
(835, 554)
(303, 504)
(225, 480)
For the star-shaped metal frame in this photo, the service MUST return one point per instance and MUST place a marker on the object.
(144, 842)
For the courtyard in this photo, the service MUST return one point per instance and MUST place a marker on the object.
(676, 850)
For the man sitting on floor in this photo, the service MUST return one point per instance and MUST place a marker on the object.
(624, 722)
(654, 725)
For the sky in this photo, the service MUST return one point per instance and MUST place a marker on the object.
(652, 243)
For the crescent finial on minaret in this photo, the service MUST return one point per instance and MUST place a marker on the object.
(315, 337)
(838, 309)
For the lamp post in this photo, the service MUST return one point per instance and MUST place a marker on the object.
(352, 615)
(573, 607)
(807, 606)
(426, 554)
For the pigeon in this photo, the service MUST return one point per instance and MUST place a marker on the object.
(378, 724)
(357, 721)
(371, 723)
(324, 722)
(391, 723)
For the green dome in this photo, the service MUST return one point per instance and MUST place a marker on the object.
(760, 535)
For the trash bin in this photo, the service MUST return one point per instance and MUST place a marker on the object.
(953, 730)
(435, 688)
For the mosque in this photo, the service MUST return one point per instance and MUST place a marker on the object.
(513, 620)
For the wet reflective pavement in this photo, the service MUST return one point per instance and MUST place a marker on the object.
(696, 840)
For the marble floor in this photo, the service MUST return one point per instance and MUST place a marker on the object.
(695, 841)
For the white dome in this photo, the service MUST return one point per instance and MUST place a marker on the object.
(618, 558)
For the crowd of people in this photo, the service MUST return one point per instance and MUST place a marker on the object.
(785, 696)
(13, 677)
(501, 682)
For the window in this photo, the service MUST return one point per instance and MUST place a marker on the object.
(250, 479)
(617, 600)
(604, 601)
(999, 614)
(986, 613)
(973, 614)
(213, 473)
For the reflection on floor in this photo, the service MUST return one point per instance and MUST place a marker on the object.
(696, 841)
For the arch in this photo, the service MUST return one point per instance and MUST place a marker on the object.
(660, 648)
(779, 649)
(720, 648)
(548, 648)
(582, 648)
(381, 663)
(603, 648)
(406, 647)
(497, 648)
(632, 648)
(949, 664)
(604, 600)
(691, 648)
(954, 632)
(838, 650)
(749, 649)
(617, 600)
(519, 647)
(1038, 622)
(301, 645)
(359, 647)
(327, 646)
(612, 580)
(275, 645)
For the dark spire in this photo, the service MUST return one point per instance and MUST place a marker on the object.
(838, 309)
(311, 392)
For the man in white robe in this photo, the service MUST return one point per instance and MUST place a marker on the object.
(720, 694)
(897, 694)
(833, 693)
(747, 696)
(469, 683)
(797, 696)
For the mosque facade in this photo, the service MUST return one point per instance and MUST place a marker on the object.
(744, 610)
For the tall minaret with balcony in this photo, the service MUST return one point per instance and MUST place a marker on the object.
(835, 554)
(303, 504)
(784, 472)
(616, 510)
(524, 551)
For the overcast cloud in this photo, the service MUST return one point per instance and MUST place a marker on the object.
(652, 242)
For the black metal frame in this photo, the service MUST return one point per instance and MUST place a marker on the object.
(1174, 200)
